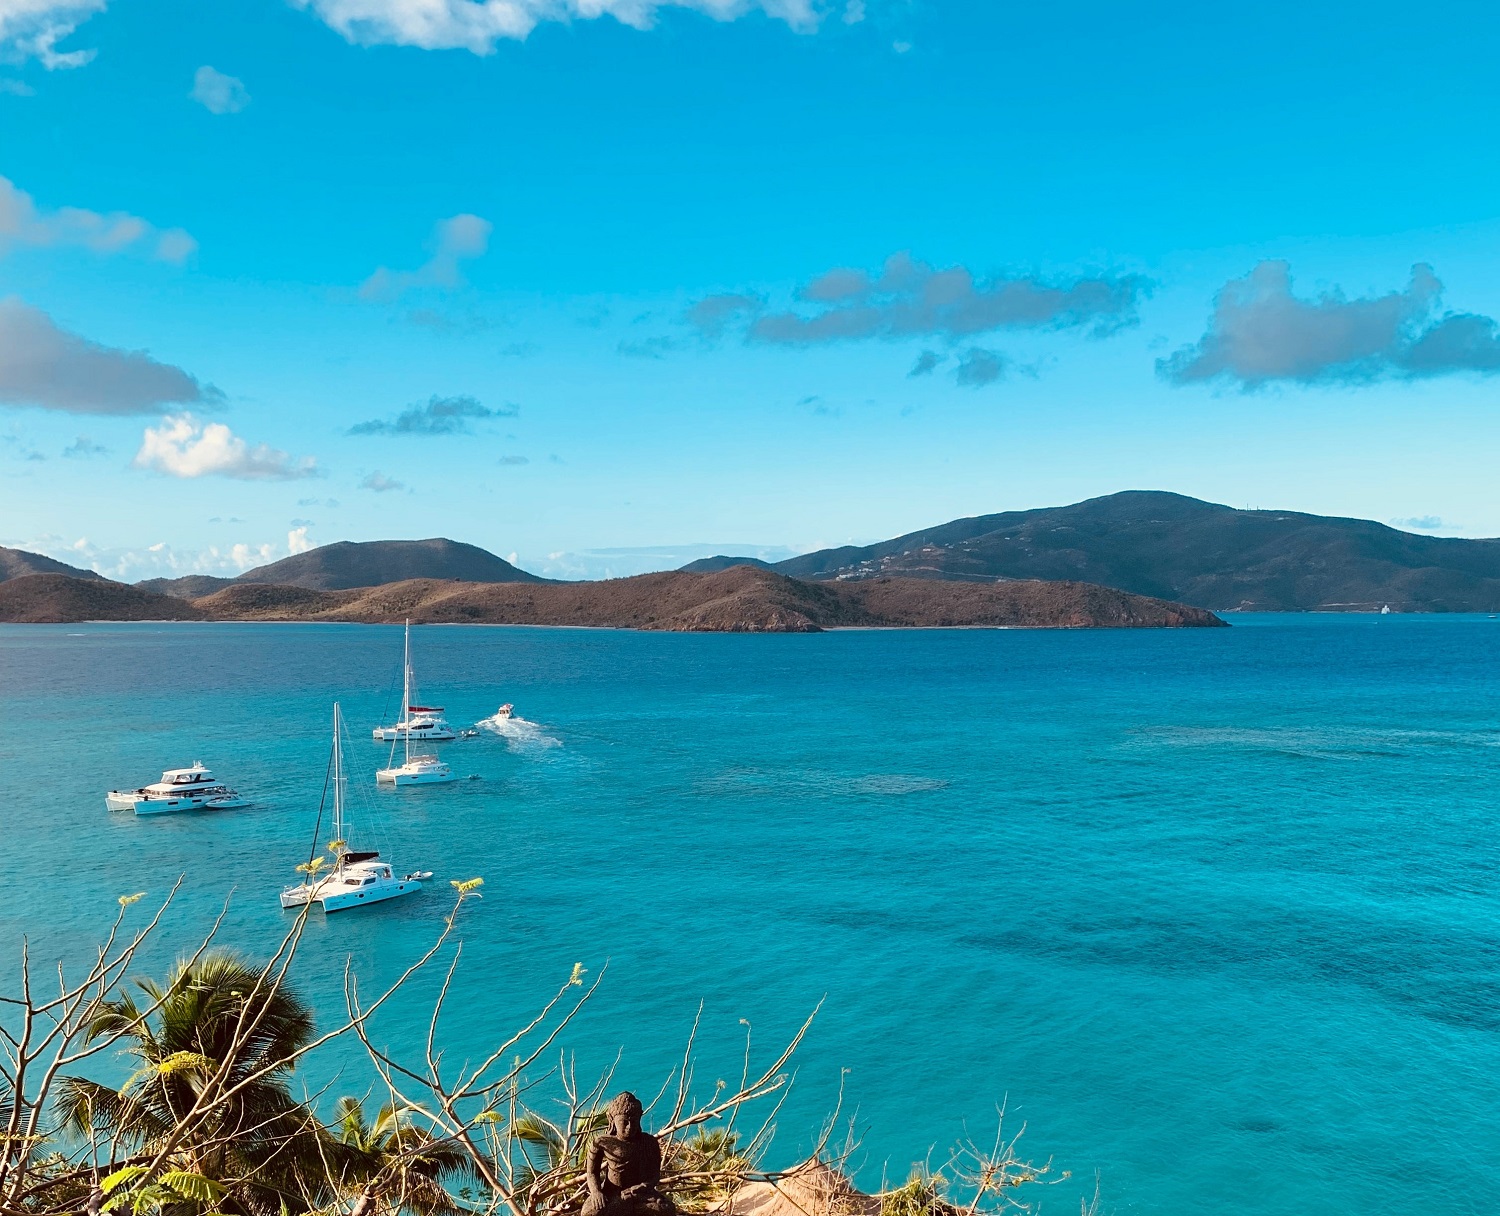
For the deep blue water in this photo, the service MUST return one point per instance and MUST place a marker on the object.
(1216, 909)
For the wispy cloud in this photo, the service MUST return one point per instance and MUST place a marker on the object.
(217, 92)
(22, 222)
(45, 366)
(457, 239)
(1260, 332)
(926, 363)
(380, 483)
(31, 29)
(438, 416)
(182, 446)
(908, 298)
(513, 460)
(477, 25)
(1421, 523)
(84, 447)
(712, 315)
(978, 367)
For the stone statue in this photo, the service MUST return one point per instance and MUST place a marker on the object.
(624, 1166)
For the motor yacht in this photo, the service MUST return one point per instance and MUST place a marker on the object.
(180, 789)
(420, 722)
(358, 878)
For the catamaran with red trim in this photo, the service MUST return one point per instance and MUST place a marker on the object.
(416, 721)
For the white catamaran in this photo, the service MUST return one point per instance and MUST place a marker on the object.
(414, 770)
(416, 721)
(357, 878)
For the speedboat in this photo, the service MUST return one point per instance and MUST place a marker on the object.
(417, 721)
(416, 770)
(358, 878)
(180, 789)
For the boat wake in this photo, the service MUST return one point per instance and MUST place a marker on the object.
(519, 734)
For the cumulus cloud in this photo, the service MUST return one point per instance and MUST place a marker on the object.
(1260, 332)
(22, 222)
(380, 483)
(477, 25)
(296, 540)
(908, 299)
(456, 239)
(182, 446)
(438, 416)
(42, 365)
(159, 560)
(218, 93)
(31, 29)
(978, 367)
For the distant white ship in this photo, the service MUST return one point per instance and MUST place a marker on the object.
(357, 878)
(416, 721)
(180, 789)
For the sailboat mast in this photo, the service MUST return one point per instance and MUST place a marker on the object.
(406, 690)
(338, 778)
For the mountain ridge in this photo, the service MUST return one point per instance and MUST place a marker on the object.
(1171, 546)
(347, 564)
(18, 563)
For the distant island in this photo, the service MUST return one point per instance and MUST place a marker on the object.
(741, 599)
(1179, 548)
(1154, 552)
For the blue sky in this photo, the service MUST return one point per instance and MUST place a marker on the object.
(656, 279)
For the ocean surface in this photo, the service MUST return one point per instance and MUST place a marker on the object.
(1215, 912)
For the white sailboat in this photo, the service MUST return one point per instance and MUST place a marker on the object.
(414, 770)
(416, 721)
(357, 878)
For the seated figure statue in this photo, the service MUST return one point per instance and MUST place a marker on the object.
(624, 1166)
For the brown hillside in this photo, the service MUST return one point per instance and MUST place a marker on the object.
(738, 600)
(60, 599)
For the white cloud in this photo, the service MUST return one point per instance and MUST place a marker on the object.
(43, 365)
(31, 29)
(22, 222)
(454, 240)
(218, 93)
(296, 540)
(477, 25)
(159, 560)
(16, 88)
(182, 446)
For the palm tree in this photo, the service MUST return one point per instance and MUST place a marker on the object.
(396, 1163)
(216, 1046)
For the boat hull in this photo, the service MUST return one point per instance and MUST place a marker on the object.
(341, 901)
(117, 801)
(392, 734)
(396, 776)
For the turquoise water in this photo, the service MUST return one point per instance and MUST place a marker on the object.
(1216, 910)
